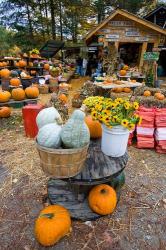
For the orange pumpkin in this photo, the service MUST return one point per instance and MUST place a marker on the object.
(63, 98)
(46, 66)
(1, 64)
(118, 90)
(4, 64)
(15, 82)
(33, 72)
(4, 96)
(5, 73)
(122, 72)
(32, 92)
(18, 94)
(125, 67)
(5, 112)
(22, 63)
(52, 224)
(134, 81)
(102, 199)
(147, 93)
(126, 90)
(159, 96)
(94, 127)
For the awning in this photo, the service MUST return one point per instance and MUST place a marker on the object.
(51, 48)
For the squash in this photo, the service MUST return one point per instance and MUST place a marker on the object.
(126, 90)
(46, 66)
(95, 128)
(159, 96)
(18, 94)
(147, 93)
(63, 98)
(32, 92)
(15, 82)
(22, 63)
(52, 224)
(102, 199)
(4, 96)
(75, 133)
(49, 136)
(118, 90)
(5, 112)
(48, 115)
(14, 73)
(125, 67)
(122, 72)
(5, 73)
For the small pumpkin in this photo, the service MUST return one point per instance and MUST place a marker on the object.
(147, 93)
(102, 199)
(123, 72)
(15, 82)
(22, 63)
(4, 96)
(49, 136)
(133, 81)
(32, 92)
(75, 133)
(5, 112)
(52, 224)
(18, 94)
(125, 67)
(118, 90)
(159, 96)
(63, 98)
(48, 115)
(126, 90)
(94, 127)
(5, 73)
(46, 66)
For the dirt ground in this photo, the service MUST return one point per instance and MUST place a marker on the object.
(138, 223)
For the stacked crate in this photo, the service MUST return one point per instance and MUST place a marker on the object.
(160, 132)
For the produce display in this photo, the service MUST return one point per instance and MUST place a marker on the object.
(15, 82)
(18, 94)
(32, 92)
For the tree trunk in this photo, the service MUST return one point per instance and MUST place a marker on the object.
(46, 15)
(29, 21)
(53, 19)
(42, 23)
(60, 19)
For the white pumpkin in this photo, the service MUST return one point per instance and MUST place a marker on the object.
(49, 136)
(46, 116)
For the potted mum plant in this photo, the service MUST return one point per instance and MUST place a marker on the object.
(118, 117)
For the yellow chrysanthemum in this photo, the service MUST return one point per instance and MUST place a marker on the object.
(113, 105)
(131, 126)
(140, 121)
(124, 123)
(135, 105)
(98, 107)
(136, 116)
(119, 100)
(94, 114)
(114, 118)
(127, 105)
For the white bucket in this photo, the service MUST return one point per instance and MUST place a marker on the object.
(114, 141)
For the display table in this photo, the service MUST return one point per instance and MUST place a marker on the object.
(131, 75)
(72, 193)
(12, 102)
(125, 84)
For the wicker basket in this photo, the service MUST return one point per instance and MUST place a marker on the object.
(43, 89)
(62, 163)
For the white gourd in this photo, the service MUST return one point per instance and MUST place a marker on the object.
(46, 116)
(75, 133)
(49, 136)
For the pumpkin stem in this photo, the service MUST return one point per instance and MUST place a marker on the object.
(103, 191)
(49, 215)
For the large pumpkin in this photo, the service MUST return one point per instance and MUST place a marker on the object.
(159, 96)
(18, 94)
(5, 112)
(15, 82)
(118, 90)
(122, 72)
(147, 93)
(32, 92)
(126, 90)
(94, 127)
(5, 73)
(102, 199)
(46, 116)
(22, 63)
(4, 96)
(46, 66)
(52, 224)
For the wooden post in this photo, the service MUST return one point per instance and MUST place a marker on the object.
(117, 45)
(144, 47)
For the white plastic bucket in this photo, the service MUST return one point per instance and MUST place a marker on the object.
(114, 141)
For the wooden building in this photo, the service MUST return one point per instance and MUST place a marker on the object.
(131, 35)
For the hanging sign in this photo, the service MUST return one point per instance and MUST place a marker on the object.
(142, 39)
(112, 36)
(121, 23)
(92, 48)
(132, 33)
(151, 56)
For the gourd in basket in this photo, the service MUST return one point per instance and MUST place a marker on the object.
(48, 115)
(75, 132)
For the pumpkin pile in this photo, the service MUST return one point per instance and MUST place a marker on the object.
(120, 90)
(157, 95)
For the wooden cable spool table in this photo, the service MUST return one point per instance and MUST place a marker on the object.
(72, 192)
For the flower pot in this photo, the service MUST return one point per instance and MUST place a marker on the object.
(114, 141)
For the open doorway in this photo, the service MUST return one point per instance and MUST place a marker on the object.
(161, 71)
(130, 53)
